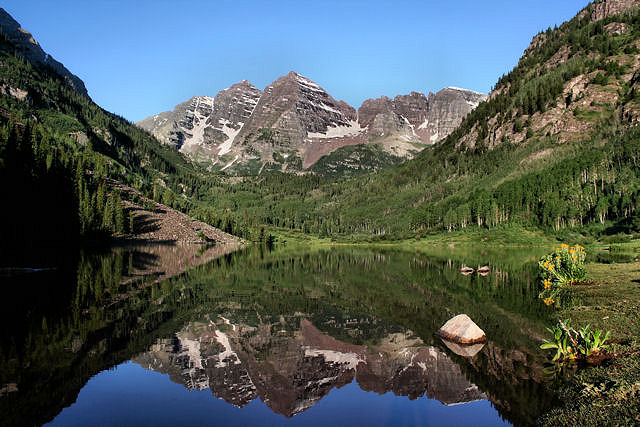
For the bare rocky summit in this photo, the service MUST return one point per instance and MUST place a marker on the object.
(294, 122)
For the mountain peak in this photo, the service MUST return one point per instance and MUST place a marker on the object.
(29, 49)
(243, 84)
(300, 79)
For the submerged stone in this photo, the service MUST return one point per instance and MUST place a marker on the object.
(462, 330)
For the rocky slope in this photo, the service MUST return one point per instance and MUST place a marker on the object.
(595, 81)
(205, 126)
(29, 49)
(294, 122)
(554, 147)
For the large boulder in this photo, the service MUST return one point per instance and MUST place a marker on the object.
(462, 330)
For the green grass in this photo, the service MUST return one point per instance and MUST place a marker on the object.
(608, 394)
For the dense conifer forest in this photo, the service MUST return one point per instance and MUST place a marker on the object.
(57, 148)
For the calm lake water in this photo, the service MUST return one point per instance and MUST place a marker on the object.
(330, 337)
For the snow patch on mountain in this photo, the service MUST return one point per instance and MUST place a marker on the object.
(324, 106)
(231, 133)
(413, 130)
(308, 84)
(336, 131)
(466, 90)
(231, 163)
(228, 353)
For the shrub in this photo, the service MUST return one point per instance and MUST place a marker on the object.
(560, 269)
(571, 345)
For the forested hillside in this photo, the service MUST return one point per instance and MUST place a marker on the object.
(56, 149)
(555, 147)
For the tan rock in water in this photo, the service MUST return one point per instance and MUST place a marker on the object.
(466, 270)
(463, 350)
(461, 329)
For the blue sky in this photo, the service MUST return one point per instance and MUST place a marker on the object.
(141, 57)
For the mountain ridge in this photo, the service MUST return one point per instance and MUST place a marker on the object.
(294, 122)
(29, 49)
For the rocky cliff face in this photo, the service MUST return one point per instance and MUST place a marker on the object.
(292, 371)
(587, 98)
(417, 118)
(604, 8)
(29, 49)
(205, 126)
(446, 110)
(294, 122)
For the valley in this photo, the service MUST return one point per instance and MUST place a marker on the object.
(285, 250)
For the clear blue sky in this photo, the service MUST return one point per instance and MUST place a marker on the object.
(140, 57)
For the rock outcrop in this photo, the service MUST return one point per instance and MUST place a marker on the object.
(462, 330)
(29, 49)
(602, 9)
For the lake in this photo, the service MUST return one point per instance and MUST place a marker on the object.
(336, 336)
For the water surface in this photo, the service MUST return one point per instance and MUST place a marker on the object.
(329, 337)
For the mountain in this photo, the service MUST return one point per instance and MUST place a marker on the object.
(28, 48)
(66, 153)
(418, 118)
(291, 373)
(205, 126)
(555, 147)
(294, 122)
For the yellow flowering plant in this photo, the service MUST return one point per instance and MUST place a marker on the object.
(559, 269)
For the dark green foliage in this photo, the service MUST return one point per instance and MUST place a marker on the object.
(354, 160)
(592, 182)
(58, 151)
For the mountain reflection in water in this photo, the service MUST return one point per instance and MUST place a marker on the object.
(285, 329)
(291, 369)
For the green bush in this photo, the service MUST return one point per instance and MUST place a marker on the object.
(559, 269)
(571, 345)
